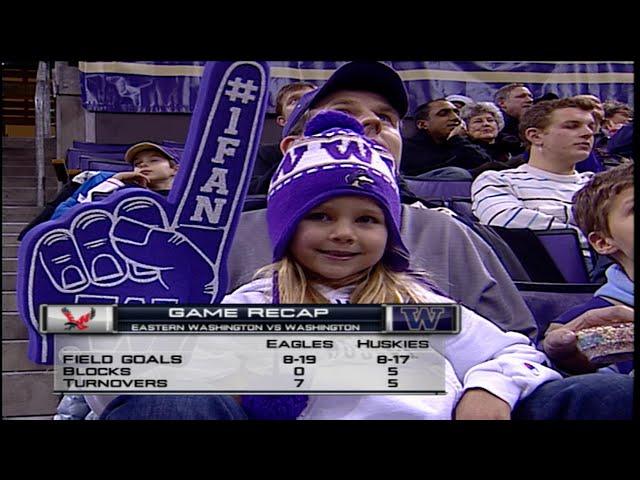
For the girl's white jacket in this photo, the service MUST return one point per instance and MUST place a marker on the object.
(480, 356)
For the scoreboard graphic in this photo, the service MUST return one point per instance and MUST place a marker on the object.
(240, 349)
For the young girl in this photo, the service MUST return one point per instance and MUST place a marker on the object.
(334, 221)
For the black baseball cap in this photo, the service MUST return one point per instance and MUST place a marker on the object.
(364, 76)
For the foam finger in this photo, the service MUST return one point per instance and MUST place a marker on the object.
(91, 231)
(62, 261)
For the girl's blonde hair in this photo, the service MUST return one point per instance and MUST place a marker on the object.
(377, 284)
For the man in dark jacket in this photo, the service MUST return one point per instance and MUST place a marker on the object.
(440, 143)
(513, 99)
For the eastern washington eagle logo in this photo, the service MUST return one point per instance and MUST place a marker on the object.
(359, 178)
(80, 323)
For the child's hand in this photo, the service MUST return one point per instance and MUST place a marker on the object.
(479, 404)
(560, 342)
(132, 177)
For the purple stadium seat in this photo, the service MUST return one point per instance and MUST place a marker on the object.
(88, 162)
(101, 147)
(564, 247)
(547, 301)
(254, 202)
(551, 256)
(74, 157)
(173, 144)
(444, 189)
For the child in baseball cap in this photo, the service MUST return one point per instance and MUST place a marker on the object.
(154, 167)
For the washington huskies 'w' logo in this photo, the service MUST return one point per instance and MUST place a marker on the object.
(353, 149)
(80, 323)
(422, 318)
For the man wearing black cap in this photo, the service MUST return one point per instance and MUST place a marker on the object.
(376, 97)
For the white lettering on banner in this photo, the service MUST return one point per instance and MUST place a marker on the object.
(227, 146)
(224, 148)
(217, 180)
(204, 205)
(233, 121)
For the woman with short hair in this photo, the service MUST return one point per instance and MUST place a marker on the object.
(484, 121)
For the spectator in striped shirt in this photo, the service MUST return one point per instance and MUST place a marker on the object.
(538, 195)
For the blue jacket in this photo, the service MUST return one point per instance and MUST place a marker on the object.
(622, 142)
(72, 201)
(590, 164)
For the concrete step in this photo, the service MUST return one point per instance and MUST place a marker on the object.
(9, 250)
(27, 195)
(9, 302)
(9, 282)
(12, 228)
(12, 146)
(19, 213)
(25, 159)
(18, 181)
(28, 170)
(17, 143)
(10, 238)
(17, 161)
(9, 265)
(13, 328)
(14, 357)
(28, 394)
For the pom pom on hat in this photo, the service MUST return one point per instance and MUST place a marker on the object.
(330, 119)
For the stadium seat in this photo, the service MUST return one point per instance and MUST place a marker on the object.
(88, 162)
(74, 160)
(542, 263)
(547, 301)
(462, 206)
(445, 189)
(101, 147)
(564, 247)
(510, 261)
(254, 202)
(172, 144)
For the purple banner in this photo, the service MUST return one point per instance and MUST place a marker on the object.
(172, 87)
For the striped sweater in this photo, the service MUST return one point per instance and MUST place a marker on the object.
(527, 197)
